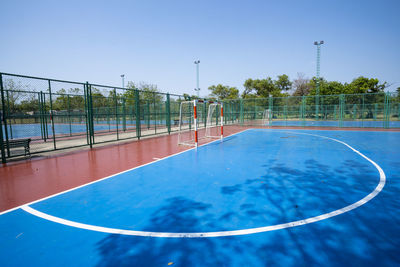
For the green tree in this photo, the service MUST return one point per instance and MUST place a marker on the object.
(223, 92)
(327, 88)
(14, 94)
(266, 87)
(61, 100)
(283, 83)
(147, 92)
(28, 105)
(260, 88)
(99, 100)
(360, 85)
(363, 85)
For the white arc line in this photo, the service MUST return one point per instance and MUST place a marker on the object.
(325, 216)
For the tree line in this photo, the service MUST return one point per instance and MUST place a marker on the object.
(301, 86)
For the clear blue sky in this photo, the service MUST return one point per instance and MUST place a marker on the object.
(158, 41)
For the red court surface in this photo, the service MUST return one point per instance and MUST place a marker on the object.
(30, 180)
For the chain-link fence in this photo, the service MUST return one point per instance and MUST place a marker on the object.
(377, 110)
(40, 115)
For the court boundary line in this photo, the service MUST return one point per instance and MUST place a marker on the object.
(112, 175)
(321, 217)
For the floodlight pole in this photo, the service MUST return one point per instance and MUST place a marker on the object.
(123, 80)
(197, 62)
(318, 44)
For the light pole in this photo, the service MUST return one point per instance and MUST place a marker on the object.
(318, 44)
(197, 62)
(123, 81)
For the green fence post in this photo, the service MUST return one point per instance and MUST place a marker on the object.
(44, 110)
(3, 154)
(124, 115)
(147, 112)
(69, 115)
(354, 112)
(137, 111)
(52, 117)
(87, 115)
(386, 109)
(341, 110)
(40, 117)
(300, 111)
(8, 114)
(109, 118)
(168, 113)
(241, 111)
(363, 110)
(285, 109)
(116, 111)
(375, 110)
(91, 113)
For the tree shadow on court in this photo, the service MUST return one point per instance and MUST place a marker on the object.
(326, 190)
(179, 214)
(291, 194)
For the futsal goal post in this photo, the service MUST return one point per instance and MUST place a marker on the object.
(267, 117)
(190, 117)
(215, 123)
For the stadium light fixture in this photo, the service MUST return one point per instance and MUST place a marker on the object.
(318, 44)
(123, 80)
(197, 62)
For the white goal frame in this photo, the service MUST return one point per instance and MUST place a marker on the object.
(193, 129)
(188, 133)
(209, 122)
(267, 117)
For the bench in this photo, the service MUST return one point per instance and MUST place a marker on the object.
(176, 122)
(15, 143)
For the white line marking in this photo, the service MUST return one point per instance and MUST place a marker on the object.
(325, 216)
(66, 191)
(157, 158)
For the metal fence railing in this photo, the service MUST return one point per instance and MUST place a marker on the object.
(56, 114)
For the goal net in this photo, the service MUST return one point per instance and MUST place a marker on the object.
(214, 122)
(190, 117)
(267, 117)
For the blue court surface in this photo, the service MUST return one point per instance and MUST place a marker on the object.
(259, 198)
(34, 129)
